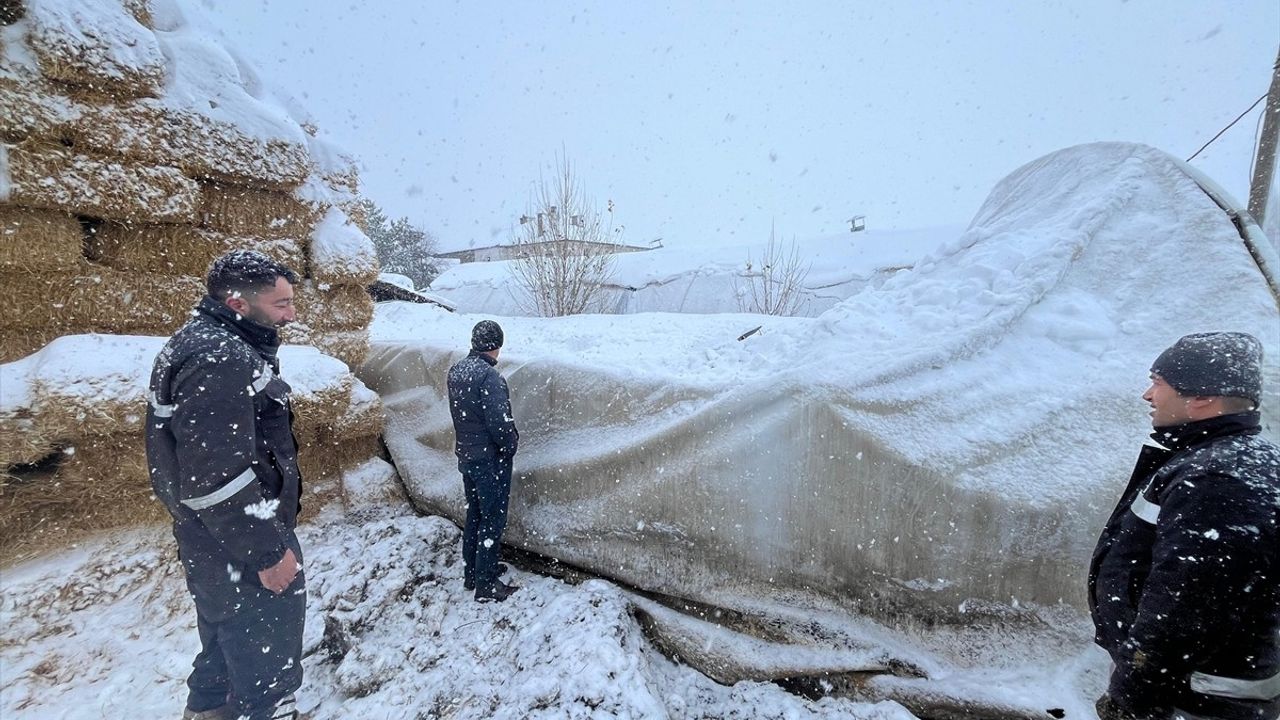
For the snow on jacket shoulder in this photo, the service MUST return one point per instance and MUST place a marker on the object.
(481, 408)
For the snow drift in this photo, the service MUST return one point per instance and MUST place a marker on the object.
(947, 441)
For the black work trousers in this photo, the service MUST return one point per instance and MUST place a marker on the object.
(250, 646)
(487, 483)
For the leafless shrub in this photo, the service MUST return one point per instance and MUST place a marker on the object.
(773, 285)
(564, 249)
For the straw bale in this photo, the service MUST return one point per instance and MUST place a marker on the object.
(97, 45)
(364, 417)
(361, 416)
(323, 464)
(21, 442)
(349, 346)
(246, 212)
(333, 307)
(47, 175)
(141, 11)
(98, 484)
(154, 134)
(357, 212)
(38, 240)
(81, 417)
(178, 249)
(17, 345)
(31, 107)
(97, 297)
(320, 408)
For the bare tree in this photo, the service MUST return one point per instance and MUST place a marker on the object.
(564, 248)
(773, 285)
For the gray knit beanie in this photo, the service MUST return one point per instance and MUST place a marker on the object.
(486, 336)
(1226, 364)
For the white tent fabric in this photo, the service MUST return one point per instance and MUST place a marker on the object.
(949, 440)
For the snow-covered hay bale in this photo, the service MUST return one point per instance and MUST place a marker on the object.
(341, 253)
(98, 46)
(87, 386)
(179, 249)
(320, 407)
(15, 345)
(334, 307)
(323, 465)
(48, 175)
(248, 212)
(349, 346)
(150, 133)
(98, 484)
(38, 241)
(95, 296)
(31, 107)
(20, 441)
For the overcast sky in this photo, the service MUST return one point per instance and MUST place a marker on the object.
(706, 122)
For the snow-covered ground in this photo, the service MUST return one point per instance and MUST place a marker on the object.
(106, 629)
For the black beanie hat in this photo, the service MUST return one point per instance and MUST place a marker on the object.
(486, 336)
(1225, 364)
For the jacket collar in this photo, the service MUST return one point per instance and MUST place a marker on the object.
(262, 338)
(482, 356)
(1181, 437)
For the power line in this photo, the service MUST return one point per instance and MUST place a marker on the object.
(1228, 127)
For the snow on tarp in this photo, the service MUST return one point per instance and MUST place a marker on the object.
(709, 279)
(949, 440)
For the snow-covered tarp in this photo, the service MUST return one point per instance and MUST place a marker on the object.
(713, 278)
(948, 441)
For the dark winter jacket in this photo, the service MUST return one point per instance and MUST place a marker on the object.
(1185, 581)
(220, 444)
(481, 409)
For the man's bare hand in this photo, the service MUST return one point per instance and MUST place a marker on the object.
(278, 577)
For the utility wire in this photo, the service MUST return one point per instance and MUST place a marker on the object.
(1228, 127)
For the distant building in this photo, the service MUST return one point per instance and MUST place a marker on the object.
(492, 253)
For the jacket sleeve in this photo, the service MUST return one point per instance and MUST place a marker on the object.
(214, 426)
(1203, 560)
(498, 420)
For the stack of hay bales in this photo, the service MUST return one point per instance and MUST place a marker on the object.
(134, 149)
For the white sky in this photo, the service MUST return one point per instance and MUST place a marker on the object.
(707, 122)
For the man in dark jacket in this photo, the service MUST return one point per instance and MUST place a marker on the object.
(1185, 582)
(486, 445)
(223, 460)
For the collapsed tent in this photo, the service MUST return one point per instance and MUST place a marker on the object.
(948, 441)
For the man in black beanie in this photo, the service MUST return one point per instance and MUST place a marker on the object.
(486, 444)
(1184, 586)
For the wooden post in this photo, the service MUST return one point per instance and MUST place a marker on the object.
(1264, 166)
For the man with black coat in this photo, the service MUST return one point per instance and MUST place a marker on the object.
(486, 444)
(224, 462)
(1185, 581)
